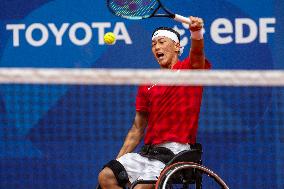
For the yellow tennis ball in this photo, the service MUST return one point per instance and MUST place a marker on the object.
(109, 38)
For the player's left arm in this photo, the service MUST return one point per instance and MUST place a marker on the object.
(196, 53)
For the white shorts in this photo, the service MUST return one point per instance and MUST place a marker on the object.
(139, 167)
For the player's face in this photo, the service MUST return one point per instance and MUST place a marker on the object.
(165, 51)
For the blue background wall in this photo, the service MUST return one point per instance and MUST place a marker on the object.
(56, 136)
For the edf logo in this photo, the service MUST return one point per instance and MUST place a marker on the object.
(223, 31)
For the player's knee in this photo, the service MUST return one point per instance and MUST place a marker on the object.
(106, 176)
(113, 173)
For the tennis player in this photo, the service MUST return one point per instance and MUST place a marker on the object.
(166, 116)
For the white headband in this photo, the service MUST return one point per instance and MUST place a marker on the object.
(165, 33)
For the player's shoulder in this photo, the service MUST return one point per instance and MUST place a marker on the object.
(143, 88)
(185, 64)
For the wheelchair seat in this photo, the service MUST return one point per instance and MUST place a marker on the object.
(192, 155)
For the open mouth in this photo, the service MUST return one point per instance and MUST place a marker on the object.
(159, 55)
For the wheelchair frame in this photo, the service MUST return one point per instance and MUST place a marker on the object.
(189, 165)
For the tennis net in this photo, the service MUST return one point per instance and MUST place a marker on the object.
(59, 126)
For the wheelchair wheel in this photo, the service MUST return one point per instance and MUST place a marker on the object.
(172, 177)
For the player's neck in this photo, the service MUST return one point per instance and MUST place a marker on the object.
(173, 62)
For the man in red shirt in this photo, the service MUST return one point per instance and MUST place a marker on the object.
(167, 115)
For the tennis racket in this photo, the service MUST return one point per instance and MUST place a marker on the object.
(141, 9)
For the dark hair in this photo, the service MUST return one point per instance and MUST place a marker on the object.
(169, 29)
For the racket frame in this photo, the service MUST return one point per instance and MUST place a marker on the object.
(168, 14)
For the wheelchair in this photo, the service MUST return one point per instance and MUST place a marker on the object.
(185, 170)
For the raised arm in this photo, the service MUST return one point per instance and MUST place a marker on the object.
(135, 134)
(196, 52)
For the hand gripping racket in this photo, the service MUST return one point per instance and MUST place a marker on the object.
(141, 9)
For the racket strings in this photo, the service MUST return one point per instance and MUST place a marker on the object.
(135, 9)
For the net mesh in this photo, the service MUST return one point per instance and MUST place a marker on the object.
(58, 127)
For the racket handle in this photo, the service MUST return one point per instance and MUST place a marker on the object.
(182, 19)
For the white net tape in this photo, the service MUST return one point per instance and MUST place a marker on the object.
(142, 76)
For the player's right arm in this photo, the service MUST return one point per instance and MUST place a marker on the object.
(196, 54)
(135, 134)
